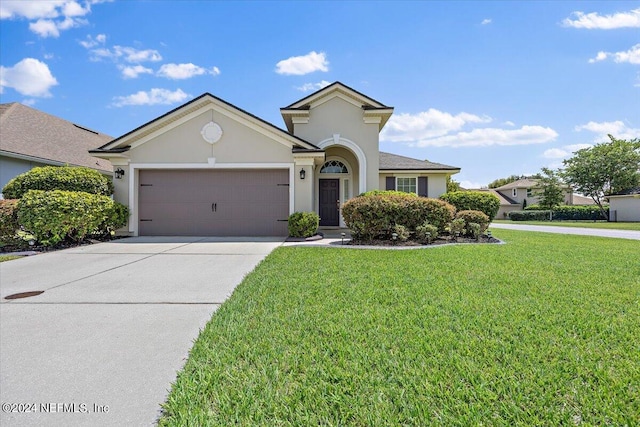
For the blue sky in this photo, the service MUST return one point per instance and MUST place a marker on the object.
(496, 88)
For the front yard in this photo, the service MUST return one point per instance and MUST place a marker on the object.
(540, 331)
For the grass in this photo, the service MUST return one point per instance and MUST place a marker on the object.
(582, 224)
(4, 258)
(540, 331)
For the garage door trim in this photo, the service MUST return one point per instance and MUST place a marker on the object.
(134, 168)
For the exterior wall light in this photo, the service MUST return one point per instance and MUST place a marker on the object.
(303, 173)
(119, 172)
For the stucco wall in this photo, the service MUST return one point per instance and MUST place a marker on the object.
(337, 116)
(436, 183)
(10, 168)
(624, 209)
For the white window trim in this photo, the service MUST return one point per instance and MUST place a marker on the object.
(415, 177)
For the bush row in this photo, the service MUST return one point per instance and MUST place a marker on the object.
(8, 220)
(561, 213)
(474, 200)
(374, 216)
(58, 178)
(55, 216)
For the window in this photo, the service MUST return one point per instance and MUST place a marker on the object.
(334, 166)
(514, 192)
(345, 192)
(529, 192)
(408, 185)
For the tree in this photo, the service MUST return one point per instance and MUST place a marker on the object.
(452, 185)
(604, 169)
(549, 190)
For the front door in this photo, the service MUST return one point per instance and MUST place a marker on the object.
(330, 202)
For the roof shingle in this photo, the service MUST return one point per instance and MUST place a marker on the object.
(390, 161)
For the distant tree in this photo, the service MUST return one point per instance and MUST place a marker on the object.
(508, 180)
(503, 181)
(452, 185)
(604, 169)
(549, 190)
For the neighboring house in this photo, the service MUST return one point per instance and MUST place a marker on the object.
(31, 138)
(625, 207)
(519, 194)
(210, 168)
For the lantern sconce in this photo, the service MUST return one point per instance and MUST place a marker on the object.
(303, 173)
(119, 172)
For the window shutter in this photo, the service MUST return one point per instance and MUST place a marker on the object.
(391, 183)
(422, 186)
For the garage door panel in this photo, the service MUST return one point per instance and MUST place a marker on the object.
(213, 203)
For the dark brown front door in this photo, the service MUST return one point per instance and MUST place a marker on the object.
(330, 202)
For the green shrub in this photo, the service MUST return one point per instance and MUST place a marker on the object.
(8, 220)
(373, 216)
(457, 226)
(529, 215)
(474, 230)
(474, 217)
(426, 233)
(55, 216)
(58, 178)
(573, 212)
(402, 233)
(303, 224)
(475, 201)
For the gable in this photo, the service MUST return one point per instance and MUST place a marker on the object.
(192, 113)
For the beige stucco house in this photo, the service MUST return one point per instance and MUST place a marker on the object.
(211, 168)
(521, 193)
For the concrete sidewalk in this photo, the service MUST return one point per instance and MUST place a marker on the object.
(601, 232)
(102, 345)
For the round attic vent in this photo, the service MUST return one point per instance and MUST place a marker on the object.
(211, 132)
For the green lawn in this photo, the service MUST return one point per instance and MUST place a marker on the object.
(583, 224)
(4, 258)
(540, 331)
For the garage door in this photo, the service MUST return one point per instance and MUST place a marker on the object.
(213, 203)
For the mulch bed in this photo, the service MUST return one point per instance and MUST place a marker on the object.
(441, 240)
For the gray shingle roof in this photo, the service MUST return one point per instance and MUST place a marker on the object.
(25, 131)
(521, 183)
(390, 161)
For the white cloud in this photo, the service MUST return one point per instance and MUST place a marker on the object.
(509, 123)
(470, 184)
(486, 21)
(93, 42)
(432, 123)
(308, 87)
(563, 152)
(185, 71)
(595, 21)
(153, 97)
(301, 65)
(28, 77)
(132, 72)
(484, 137)
(128, 54)
(616, 128)
(47, 18)
(29, 101)
(632, 56)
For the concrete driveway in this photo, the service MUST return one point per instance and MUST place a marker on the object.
(102, 345)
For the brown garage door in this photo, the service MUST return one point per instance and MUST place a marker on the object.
(213, 203)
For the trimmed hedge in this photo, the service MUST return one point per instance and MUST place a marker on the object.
(474, 201)
(561, 213)
(55, 216)
(8, 220)
(65, 178)
(373, 216)
(473, 217)
(303, 224)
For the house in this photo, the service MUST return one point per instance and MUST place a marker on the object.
(211, 168)
(625, 207)
(30, 138)
(521, 193)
